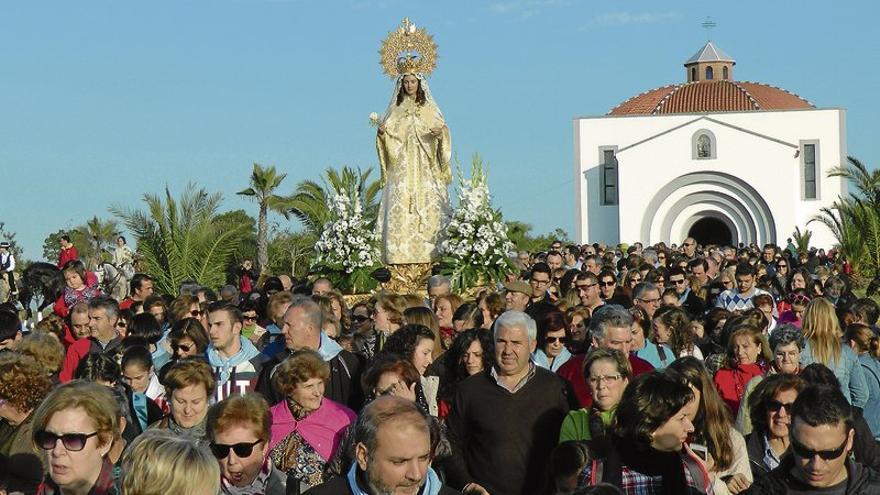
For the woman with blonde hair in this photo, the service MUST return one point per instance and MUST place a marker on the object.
(823, 345)
(76, 426)
(388, 315)
(159, 462)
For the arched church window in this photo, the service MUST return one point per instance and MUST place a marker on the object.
(725, 73)
(709, 73)
(704, 145)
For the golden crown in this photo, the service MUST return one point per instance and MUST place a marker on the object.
(408, 50)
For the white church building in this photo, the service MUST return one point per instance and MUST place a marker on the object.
(720, 160)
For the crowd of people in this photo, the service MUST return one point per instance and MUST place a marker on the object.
(666, 369)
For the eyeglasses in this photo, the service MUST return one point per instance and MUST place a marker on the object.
(584, 286)
(73, 442)
(799, 299)
(805, 453)
(781, 265)
(553, 340)
(182, 347)
(656, 300)
(609, 379)
(243, 449)
(360, 318)
(540, 282)
(776, 406)
(249, 318)
(196, 313)
(607, 284)
(680, 281)
(121, 324)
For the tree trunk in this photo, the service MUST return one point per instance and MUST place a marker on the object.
(262, 239)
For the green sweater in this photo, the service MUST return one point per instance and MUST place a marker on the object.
(576, 425)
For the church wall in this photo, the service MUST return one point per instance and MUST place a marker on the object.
(768, 167)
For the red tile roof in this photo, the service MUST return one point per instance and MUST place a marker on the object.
(710, 96)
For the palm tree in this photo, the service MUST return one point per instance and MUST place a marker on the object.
(179, 239)
(100, 234)
(310, 200)
(263, 183)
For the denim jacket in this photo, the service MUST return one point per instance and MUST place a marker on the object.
(848, 370)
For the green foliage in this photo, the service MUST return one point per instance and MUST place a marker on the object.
(180, 238)
(247, 225)
(291, 252)
(520, 235)
(310, 201)
(263, 183)
(802, 239)
(89, 239)
(855, 220)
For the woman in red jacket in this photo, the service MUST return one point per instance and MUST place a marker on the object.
(747, 356)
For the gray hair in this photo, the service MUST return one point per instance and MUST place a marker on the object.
(382, 410)
(786, 334)
(311, 311)
(517, 319)
(650, 256)
(438, 281)
(643, 288)
(606, 316)
(108, 304)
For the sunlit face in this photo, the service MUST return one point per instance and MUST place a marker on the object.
(336, 308)
(638, 334)
(73, 280)
(619, 338)
(516, 301)
(137, 377)
(815, 471)
(189, 405)
(588, 291)
(578, 328)
(71, 470)
(779, 413)
(606, 384)
(798, 282)
(512, 350)
(186, 347)
(79, 323)
(223, 331)
(744, 283)
(386, 383)
(145, 290)
(297, 330)
(787, 358)
(241, 471)
(309, 394)
(101, 325)
(410, 85)
(380, 319)
(322, 287)
(745, 349)
(672, 434)
(798, 310)
(554, 342)
(650, 301)
(158, 313)
(399, 464)
(607, 286)
(472, 359)
(540, 282)
(423, 355)
(443, 310)
(662, 332)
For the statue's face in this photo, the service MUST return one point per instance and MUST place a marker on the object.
(410, 85)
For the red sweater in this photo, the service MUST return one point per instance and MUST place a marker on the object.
(66, 255)
(731, 383)
(572, 371)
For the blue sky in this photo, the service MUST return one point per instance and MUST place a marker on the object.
(105, 100)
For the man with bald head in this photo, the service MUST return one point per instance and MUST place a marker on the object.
(301, 329)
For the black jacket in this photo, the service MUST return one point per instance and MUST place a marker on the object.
(755, 450)
(861, 480)
(339, 486)
(343, 387)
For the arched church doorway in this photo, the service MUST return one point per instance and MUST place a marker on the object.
(711, 230)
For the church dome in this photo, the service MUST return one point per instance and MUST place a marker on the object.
(710, 88)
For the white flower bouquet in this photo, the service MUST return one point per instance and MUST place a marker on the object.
(475, 249)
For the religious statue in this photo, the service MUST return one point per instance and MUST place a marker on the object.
(414, 150)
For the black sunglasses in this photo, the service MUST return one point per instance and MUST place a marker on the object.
(73, 442)
(360, 318)
(553, 340)
(776, 406)
(805, 453)
(244, 449)
(182, 347)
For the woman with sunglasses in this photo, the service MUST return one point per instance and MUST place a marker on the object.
(189, 387)
(307, 428)
(187, 339)
(553, 334)
(770, 411)
(184, 306)
(239, 432)
(76, 427)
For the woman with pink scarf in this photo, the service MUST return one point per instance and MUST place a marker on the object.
(307, 428)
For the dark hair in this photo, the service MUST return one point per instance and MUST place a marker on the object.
(420, 93)
(455, 371)
(388, 363)
(567, 459)
(65, 238)
(9, 324)
(231, 310)
(145, 325)
(404, 341)
(649, 400)
(867, 309)
(192, 328)
(819, 374)
(469, 311)
(698, 262)
(137, 355)
(745, 269)
(76, 266)
(249, 305)
(98, 367)
(550, 321)
(541, 267)
(822, 405)
(766, 390)
(137, 280)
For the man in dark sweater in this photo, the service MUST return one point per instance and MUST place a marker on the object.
(504, 422)
(392, 441)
